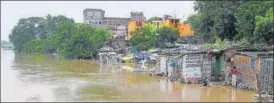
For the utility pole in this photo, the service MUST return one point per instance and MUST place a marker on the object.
(175, 14)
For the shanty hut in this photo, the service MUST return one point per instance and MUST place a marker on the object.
(253, 63)
(195, 66)
(108, 55)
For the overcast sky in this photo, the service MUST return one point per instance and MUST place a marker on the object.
(12, 11)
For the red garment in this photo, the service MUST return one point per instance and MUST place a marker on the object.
(234, 71)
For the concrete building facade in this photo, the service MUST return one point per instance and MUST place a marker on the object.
(96, 18)
(137, 16)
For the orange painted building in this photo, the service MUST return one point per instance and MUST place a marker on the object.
(132, 25)
(184, 29)
(173, 23)
(157, 23)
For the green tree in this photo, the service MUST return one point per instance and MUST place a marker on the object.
(248, 16)
(218, 18)
(72, 40)
(79, 40)
(200, 33)
(264, 28)
(143, 38)
(245, 15)
(167, 35)
(31, 28)
(24, 31)
(232, 20)
(52, 22)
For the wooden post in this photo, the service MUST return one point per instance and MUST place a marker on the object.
(202, 63)
(259, 88)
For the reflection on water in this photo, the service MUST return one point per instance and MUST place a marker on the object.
(45, 79)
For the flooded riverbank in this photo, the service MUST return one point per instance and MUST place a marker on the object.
(45, 79)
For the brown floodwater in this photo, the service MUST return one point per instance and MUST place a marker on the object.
(46, 79)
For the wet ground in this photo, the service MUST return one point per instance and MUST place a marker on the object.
(46, 79)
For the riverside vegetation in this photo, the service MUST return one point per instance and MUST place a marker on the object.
(243, 22)
(59, 34)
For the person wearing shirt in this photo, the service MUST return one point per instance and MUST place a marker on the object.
(234, 76)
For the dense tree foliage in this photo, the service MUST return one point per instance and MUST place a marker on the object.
(71, 41)
(32, 28)
(80, 40)
(57, 34)
(252, 15)
(149, 37)
(264, 28)
(24, 31)
(37, 46)
(233, 20)
(143, 38)
(167, 35)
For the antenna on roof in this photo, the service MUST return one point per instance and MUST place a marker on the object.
(175, 14)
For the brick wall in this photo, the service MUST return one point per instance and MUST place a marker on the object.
(247, 75)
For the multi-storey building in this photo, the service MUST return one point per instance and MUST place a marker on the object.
(137, 16)
(115, 25)
(167, 20)
(137, 20)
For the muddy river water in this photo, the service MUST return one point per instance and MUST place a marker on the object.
(45, 79)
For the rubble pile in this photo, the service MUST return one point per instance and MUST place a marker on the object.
(246, 86)
(265, 97)
(157, 74)
(217, 83)
(174, 77)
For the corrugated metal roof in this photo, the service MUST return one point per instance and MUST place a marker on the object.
(256, 54)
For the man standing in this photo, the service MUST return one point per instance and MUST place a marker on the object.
(234, 76)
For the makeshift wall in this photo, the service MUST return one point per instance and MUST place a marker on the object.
(247, 75)
(163, 64)
(228, 64)
(192, 68)
(266, 75)
(206, 67)
(165, 67)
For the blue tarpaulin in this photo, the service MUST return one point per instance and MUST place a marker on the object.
(172, 63)
(252, 63)
(141, 56)
(147, 57)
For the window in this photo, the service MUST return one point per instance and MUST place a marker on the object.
(97, 15)
(89, 13)
(139, 23)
